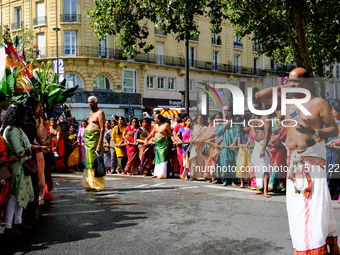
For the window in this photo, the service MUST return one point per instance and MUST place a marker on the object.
(70, 42)
(337, 70)
(216, 60)
(104, 48)
(129, 81)
(237, 64)
(101, 82)
(150, 82)
(73, 80)
(237, 42)
(191, 85)
(161, 83)
(256, 66)
(41, 13)
(159, 53)
(256, 46)
(70, 11)
(17, 18)
(192, 57)
(171, 84)
(41, 44)
(215, 39)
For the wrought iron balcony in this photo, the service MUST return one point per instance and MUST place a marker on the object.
(17, 25)
(70, 17)
(117, 54)
(159, 31)
(39, 21)
(216, 40)
(238, 45)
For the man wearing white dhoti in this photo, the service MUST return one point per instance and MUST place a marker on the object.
(310, 213)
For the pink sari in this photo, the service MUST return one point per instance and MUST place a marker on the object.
(132, 153)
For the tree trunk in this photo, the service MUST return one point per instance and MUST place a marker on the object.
(296, 10)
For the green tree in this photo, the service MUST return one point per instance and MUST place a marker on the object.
(129, 19)
(300, 31)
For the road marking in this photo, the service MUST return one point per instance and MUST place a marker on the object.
(158, 184)
(151, 190)
(190, 187)
(143, 185)
(93, 211)
(230, 188)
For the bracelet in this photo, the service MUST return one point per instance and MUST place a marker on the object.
(39, 148)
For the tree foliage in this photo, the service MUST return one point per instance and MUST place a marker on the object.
(129, 19)
(300, 31)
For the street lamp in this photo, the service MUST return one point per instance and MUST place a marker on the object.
(57, 29)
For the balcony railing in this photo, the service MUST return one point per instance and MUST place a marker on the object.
(238, 45)
(194, 38)
(216, 40)
(255, 47)
(17, 25)
(39, 21)
(117, 54)
(70, 17)
(159, 31)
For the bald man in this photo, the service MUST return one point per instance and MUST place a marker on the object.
(310, 213)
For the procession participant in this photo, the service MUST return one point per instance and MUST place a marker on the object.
(310, 212)
(2, 102)
(260, 157)
(184, 135)
(57, 145)
(20, 191)
(73, 159)
(94, 135)
(146, 155)
(107, 152)
(178, 127)
(196, 157)
(131, 147)
(81, 141)
(112, 148)
(161, 136)
(228, 156)
(117, 138)
(243, 162)
(278, 154)
(332, 155)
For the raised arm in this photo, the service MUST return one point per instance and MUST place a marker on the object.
(266, 95)
(267, 132)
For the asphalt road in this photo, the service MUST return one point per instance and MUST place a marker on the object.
(138, 215)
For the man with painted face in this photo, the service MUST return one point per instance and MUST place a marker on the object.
(310, 213)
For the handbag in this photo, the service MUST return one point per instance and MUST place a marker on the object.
(99, 167)
(30, 167)
(205, 150)
(5, 175)
(185, 146)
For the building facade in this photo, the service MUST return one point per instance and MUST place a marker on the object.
(126, 86)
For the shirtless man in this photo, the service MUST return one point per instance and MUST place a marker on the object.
(310, 213)
(260, 156)
(161, 137)
(94, 136)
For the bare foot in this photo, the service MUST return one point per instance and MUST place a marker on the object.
(160, 177)
(144, 175)
(122, 173)
(186, 178)
(233, 185)
(96, 190)
(241, 186)
(265, 194)
(191, 179)
(257, 193)
(117, 171)
(154, 176)
(224, 184)
(249, 187)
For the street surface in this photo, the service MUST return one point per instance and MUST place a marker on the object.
(138, 215)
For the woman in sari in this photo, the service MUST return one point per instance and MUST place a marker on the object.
(146, 154)
(183, 136)
(175, 138)
(74, 161)
(57, 145)
(131, 147)
(119, 143)
(278, 155)
(196, 157)
(107, 152)
(243, 162)
(81, 141)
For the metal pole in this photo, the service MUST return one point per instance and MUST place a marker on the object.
(57, 61)
(187, 102)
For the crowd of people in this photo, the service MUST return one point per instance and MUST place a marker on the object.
(223, 149)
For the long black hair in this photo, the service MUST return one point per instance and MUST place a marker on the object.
(124, 124)
(31, 104)
(13, 117)
(134, 118)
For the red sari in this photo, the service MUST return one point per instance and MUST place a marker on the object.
(3, 156)
(59, 161)
(132, 153)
